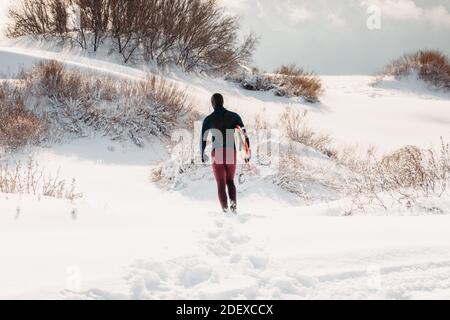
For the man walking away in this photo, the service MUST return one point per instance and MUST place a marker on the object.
(221, 124)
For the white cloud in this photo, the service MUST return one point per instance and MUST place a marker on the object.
(235, 5)
(438, 16)
(336, 19)
(298, 14)
(408, 10)
(400, 9)
(294, 12)
(261, 10)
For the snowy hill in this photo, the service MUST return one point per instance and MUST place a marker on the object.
(352, 109)
(129, 238)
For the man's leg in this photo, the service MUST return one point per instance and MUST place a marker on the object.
(230, 174)
(220, 173)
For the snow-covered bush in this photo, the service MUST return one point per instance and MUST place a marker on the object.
(297, 129)
(310, 174)
(405, 168)
(31, 179)
(193, 34)
(181, 168)
(76, 103)
(401, 177)
(53, 80)
(18, 126)
(289, 176)
(431, 66)
(425, 171)
(252, 80)
(288, 81)
(293, 81)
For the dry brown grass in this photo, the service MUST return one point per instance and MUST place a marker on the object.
(55, 81)
(369, 181)
(78, 102)
(401, 177)
(289, 70)
(404, 168)
(431, 66)
(31, 179)
(171, 103)
(414, 168)
(297, 129)
(18, 126)
(288, 80)
(291, 174)
(294, 81)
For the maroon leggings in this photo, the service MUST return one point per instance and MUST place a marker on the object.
(224, 167)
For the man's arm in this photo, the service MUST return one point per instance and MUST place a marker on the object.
(203, 138)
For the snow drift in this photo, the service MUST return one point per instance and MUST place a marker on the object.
(128, 238)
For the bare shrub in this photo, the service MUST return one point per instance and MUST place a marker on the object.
(18, 126)
(94, 21)
(176, 172)
(77, 103)
(55, 81)
(171, 102)
(38, 18)
(289, 70)
(431, 66)
(298, 130)
(413, 168)
(351, 156)
(404, 168)
(289, 81)
(8, 92)
(31, 179)
(306, 167)
(194, 34)
(310, 175)
(130, 23)
(252, 80)
(290, 174)
(50, 18)
(402, 177)
(294, 81)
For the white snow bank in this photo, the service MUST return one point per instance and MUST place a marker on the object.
(352, 110)
(128, 238)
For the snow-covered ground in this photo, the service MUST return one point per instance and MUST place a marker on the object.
(128, 238)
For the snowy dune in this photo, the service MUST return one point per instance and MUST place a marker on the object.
(390, 115)
(127, 238)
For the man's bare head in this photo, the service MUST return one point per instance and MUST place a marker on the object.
(217, 100)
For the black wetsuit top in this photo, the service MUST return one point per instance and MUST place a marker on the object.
(225, 122)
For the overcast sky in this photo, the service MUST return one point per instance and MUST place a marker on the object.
(332, 37)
